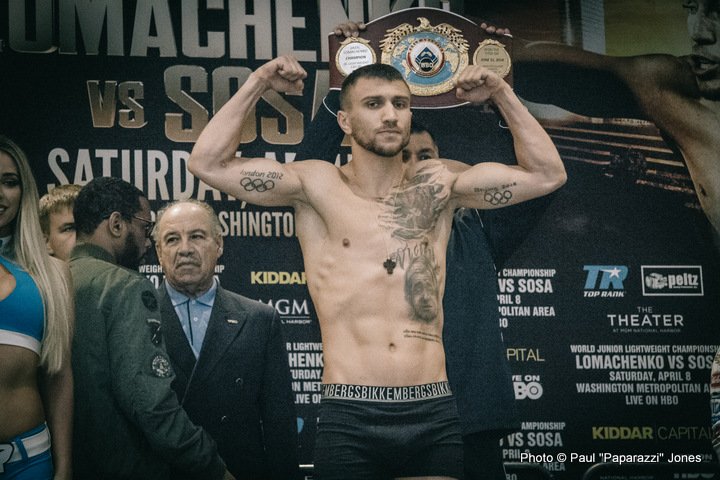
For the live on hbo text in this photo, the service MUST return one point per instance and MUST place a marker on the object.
(605, 457)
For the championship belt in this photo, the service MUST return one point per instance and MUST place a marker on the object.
(428, 46)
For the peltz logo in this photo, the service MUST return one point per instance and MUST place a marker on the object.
(672, 281)
(605, 280)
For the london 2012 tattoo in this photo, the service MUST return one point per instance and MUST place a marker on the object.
(256, 184)
(413, 208)
(259, 181)
(497, 195)
(422, 289)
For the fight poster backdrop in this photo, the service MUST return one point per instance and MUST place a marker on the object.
(608, 306)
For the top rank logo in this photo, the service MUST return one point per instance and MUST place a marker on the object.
(605, 280)
(672, 281)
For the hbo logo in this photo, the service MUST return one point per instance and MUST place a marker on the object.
(531, 390)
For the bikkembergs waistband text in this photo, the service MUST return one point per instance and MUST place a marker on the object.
(369, 393)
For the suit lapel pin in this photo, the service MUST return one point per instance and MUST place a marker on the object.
(233, 321)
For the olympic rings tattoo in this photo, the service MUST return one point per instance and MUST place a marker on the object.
(498, 198)
(256, 184)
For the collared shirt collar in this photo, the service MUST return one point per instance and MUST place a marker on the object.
(207, 298)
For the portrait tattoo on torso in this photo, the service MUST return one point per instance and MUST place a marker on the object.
(422, 289)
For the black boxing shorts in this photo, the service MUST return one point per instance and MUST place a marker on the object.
(369, 432)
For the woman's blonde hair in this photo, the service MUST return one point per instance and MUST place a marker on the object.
(30, 252)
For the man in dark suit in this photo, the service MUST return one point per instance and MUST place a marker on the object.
(231, 366)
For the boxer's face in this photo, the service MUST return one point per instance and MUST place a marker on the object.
(379, 115)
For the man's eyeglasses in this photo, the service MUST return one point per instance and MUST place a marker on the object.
(149, 225)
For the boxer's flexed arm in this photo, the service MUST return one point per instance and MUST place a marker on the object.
(539, 170)
(260, 181)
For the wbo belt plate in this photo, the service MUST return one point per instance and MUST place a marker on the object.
(429, 57)
(492, 55)
(354, 53)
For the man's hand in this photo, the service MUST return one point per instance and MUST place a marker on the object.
(493, 30)
(477, 84)
(282, 74)
(349, 29)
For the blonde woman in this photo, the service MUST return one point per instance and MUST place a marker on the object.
(36, 316)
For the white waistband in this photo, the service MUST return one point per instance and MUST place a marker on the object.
(8, 337)
(34, 445)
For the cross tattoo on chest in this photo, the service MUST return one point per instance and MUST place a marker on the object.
(389, 265)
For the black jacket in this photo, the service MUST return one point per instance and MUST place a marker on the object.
(239, 388)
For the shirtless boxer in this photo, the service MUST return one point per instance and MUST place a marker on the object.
(368, 230)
